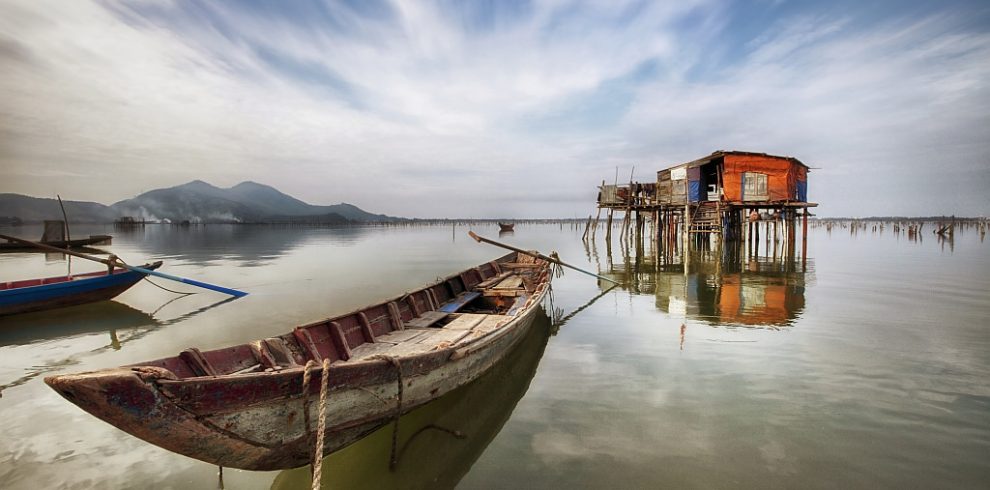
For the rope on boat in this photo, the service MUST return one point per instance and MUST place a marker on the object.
(558, 270)
(118, 259)
(394, 458)
(165, 288)
(321, 428)
(305, 390)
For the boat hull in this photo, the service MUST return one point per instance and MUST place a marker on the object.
(271, 434)
(248, 406)
(68, 293)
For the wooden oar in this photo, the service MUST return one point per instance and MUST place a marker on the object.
(537, 255)
(118, 263)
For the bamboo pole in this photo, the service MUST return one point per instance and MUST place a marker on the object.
(537, 255)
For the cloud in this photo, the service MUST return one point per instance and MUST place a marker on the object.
(390, 104)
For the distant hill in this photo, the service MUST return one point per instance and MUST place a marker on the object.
(34, 209)
(196, 201)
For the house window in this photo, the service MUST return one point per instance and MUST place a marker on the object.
(755, 187)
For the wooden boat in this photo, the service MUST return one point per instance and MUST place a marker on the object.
(246, 406)
(76, 243)
(506, 226)
(54, 235)
(56, 292)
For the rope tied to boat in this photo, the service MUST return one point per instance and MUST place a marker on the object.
(394, 458)
(321, 427)
(305, 391)
(558, 270)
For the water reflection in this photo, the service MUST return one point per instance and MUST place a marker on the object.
(250, 245)
(440, 441)
(122, 324)
(104, 316)
(718, 285)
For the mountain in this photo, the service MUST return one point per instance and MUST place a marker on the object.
(196, 201)
(274, 203)
(33, 209)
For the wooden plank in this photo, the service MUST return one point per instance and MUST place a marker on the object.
(426, 319)
(411, 348)
(366, 350)
(509, 283)
(369, 335)
(306, 341)
(442, 336)
(337, 334)
(504, 292)
(459, 302)
(490, 323)
(465, 321)
(400, 336)
(492, 280)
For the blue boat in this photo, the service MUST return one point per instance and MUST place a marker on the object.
(57, 292)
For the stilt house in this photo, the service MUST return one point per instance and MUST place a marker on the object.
(714, 194)
(735, 177)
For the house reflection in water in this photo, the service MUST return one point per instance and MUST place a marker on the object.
(720, 287)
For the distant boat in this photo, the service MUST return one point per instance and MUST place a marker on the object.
(246, 406)
(54, 235)
(56, 292)
(76, 243)
(506, 226)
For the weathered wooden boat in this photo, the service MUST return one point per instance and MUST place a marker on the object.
(56, 292)
(249, 406)
(76, 243)
(506, 226)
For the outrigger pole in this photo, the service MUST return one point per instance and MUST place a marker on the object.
(116, 262)
(537, 255)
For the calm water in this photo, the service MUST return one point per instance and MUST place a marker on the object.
(864, 365)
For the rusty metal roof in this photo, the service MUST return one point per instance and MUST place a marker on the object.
(721, 153)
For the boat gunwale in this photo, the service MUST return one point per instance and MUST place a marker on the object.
(327, 320)
(344, 375)
(74, 279)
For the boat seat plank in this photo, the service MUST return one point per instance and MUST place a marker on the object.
(400, 336)
(488, 324)
(426, 340)
(426, 319)
(441, 338)
(465, 321)
(459, 302)
(512, 282)
(491, 281)
(367, 350)
(504, 292)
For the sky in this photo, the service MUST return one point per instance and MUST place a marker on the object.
(494, 109)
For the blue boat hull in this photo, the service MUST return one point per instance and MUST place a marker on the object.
(69, 293)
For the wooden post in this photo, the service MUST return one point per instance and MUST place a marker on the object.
(804, 241)
(608, 227)
(687, 209)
